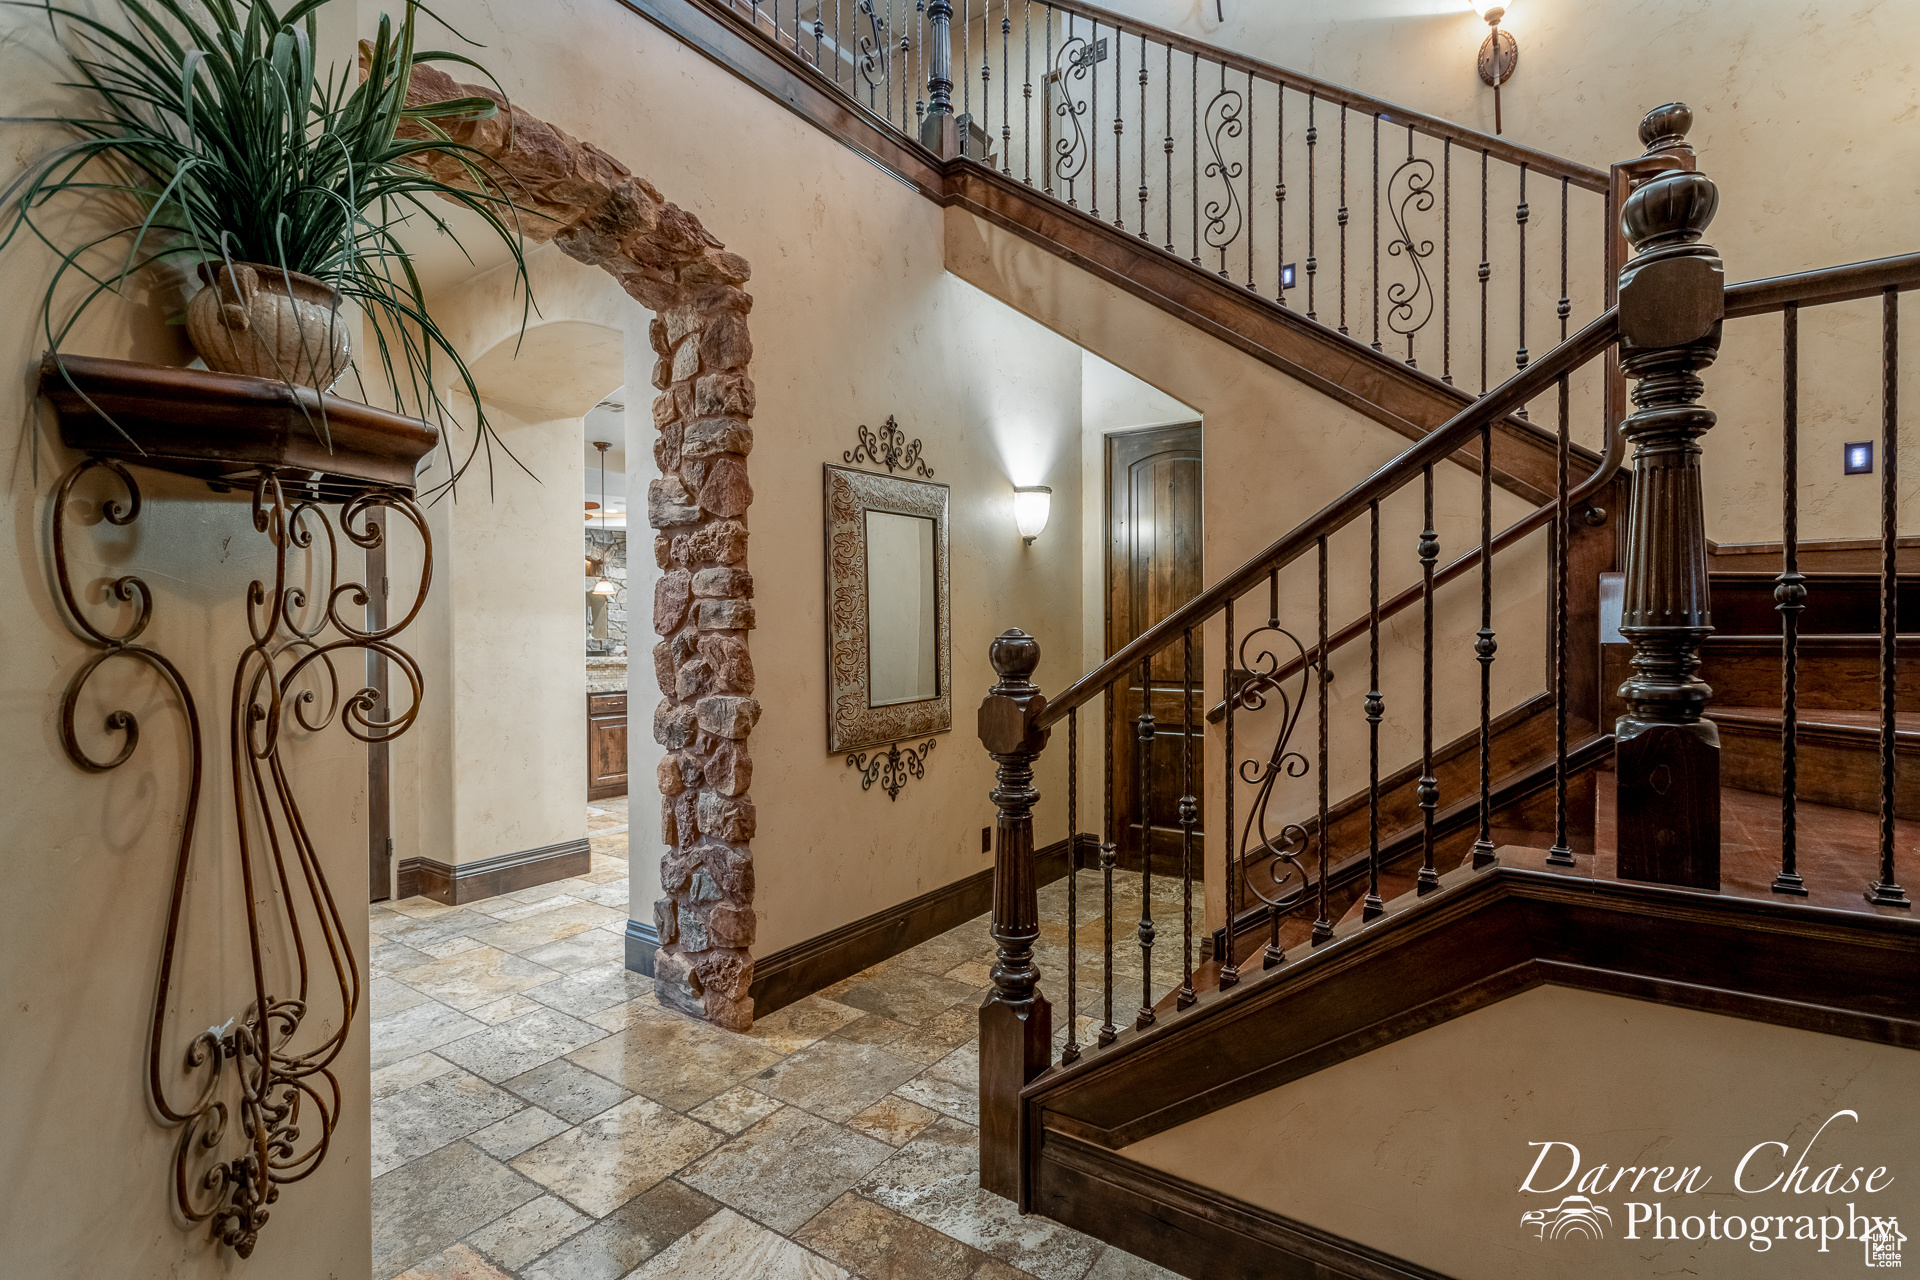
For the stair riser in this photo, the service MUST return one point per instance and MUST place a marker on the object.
(1835, 607)
(1835, 675)
(1829, 769)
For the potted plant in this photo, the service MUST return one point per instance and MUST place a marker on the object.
(284, 188)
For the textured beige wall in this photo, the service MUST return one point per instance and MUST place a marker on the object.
(88, 858)
(1420, 1148)
(1803, 116)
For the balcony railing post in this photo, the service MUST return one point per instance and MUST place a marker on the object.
(1671, 306)
(1016, 1022)
(937, 132)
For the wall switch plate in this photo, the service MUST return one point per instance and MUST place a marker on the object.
(1859, 458)
(986, 839)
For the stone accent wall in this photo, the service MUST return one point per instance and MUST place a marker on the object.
(610, 548)
(601, 214)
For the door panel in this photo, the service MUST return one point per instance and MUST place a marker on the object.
(1153, 567)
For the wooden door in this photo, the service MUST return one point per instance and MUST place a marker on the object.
(606, 745)
(1154, 567)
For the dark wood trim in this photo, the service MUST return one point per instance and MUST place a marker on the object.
(1816, 555)
(1193, 1230)
(1483, 937)
(642, 941)
(491, 877)
(787, 975)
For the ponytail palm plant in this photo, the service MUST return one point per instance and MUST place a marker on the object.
(213, 132)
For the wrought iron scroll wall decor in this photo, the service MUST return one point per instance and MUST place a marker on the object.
(256, 1111)
(891, 768)
(890, 449)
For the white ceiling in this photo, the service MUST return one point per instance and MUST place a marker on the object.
(607, 421)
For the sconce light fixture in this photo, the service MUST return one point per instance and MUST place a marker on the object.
(1499, 54)
(604, 587)
(1030, 506)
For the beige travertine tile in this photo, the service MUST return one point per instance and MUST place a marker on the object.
(728, 1247)
(627, 1237)
(505, 1009)
(736, 1109)
(786, 1168)
(428, 1204)
(409, 1072)
(622, 1016)
(950, 1086)
(521, 1044)
(799, 1024)
(457, 1262)
(517, 1238)
(675, 1060)
(429, 1115)
(836, 1079)
(893, 1120)
(878, 1244)
(474, 978)
(549, 926)
(613, 1157)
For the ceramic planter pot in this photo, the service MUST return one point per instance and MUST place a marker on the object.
(261, 321)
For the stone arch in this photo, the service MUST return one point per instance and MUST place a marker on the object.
(599, 213)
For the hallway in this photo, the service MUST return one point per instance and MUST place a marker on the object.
(537, 1114)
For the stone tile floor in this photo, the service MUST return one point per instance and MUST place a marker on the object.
(537, 1114)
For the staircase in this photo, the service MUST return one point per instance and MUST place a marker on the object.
(1590, 835)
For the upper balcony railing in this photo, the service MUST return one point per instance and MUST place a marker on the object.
(1413, 235)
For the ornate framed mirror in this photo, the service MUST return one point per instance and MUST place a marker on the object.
(889, 668)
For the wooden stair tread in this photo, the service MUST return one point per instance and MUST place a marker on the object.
(1864, 724)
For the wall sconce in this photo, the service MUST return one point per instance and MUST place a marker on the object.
(1030, 506)
(1499, 55)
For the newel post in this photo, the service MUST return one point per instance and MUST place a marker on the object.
(1671, 304)
(1016, 1022)
(938, 132)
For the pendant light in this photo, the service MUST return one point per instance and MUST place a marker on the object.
(604, 587)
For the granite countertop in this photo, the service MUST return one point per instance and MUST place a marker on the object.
(606, 675)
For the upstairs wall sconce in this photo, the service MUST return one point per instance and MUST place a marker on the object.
(1499, 54)
(1031, 504)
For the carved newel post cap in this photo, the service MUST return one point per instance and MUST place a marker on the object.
(1665, 128)
(1014, 655)
(1672, 209)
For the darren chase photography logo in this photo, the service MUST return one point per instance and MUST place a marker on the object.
(1816, 1205)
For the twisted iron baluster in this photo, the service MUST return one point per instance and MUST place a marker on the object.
(1486, 272)
(1006, 89)
(1169, 148)
(1485, 646)
(1341, 217)
(1193, 83)
(1026, 94)
(1189, 815)
(1251, 286)
(1561, 855)
(1322, 926)
(1143, 136)
(1145, 733)
(1565, 309)
(1119, 124)
(1886, 891)
(1071, 1050)
(1520, 217)
(1446, 261)
(1375, 289)
(1376, 708)
(1429, 787)
(1093, 105)
(1058, 80)
(1313, 263)
(1280, 198)
(1234, 867)
(1108, 850)
(1790, 597)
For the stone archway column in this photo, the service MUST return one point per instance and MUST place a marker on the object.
(600, 213)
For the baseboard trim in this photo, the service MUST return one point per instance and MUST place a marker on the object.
(491, 877)
(802, 969)
(642, 941)
(1194, 1230)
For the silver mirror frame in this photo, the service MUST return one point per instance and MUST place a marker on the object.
(853, 725)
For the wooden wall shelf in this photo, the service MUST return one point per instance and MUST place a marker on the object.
(226, 428)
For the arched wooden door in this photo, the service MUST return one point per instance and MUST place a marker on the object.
(1154, 567)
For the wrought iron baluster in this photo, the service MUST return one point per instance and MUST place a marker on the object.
(1376, 708)
(1249, 218)
(838, 47)
(1119, 124)
(1565, 309)
(1026, 94)
(1233, 866)
(888, 110)
(1322, 926)
(1071, 1050)
(1429, 785)
(1274, 956)
(1145, 732)
(1071, 153)
(1108, 850)
(1886, 891)
(1446, 261)
(1169, 148)
(1006, 89)
(819, 36)
(1193, 120)
(1374, 284)
(1520, 216)
(1224, 217)
(1341, 217)
(1484, 648)
(1280, 196)
(1790, 597)
(1411, 302)
(1058, 81)
(1189, 815)
(966, 80)
(1313, 263)
(1143, 136)
(1093, 102)
(907, 50)
(1486, 272)
(1561, 544)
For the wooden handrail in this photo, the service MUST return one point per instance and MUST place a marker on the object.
(1536, 379)
(1829, 284)
(1584, 176)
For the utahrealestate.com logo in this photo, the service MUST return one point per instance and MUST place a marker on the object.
(1558, 1170)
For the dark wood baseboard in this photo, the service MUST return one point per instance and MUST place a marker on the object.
(491, 877)
(802, 969)
(642, 941)
(1190, 1229)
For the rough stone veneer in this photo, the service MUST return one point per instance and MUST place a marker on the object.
(599, 213)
